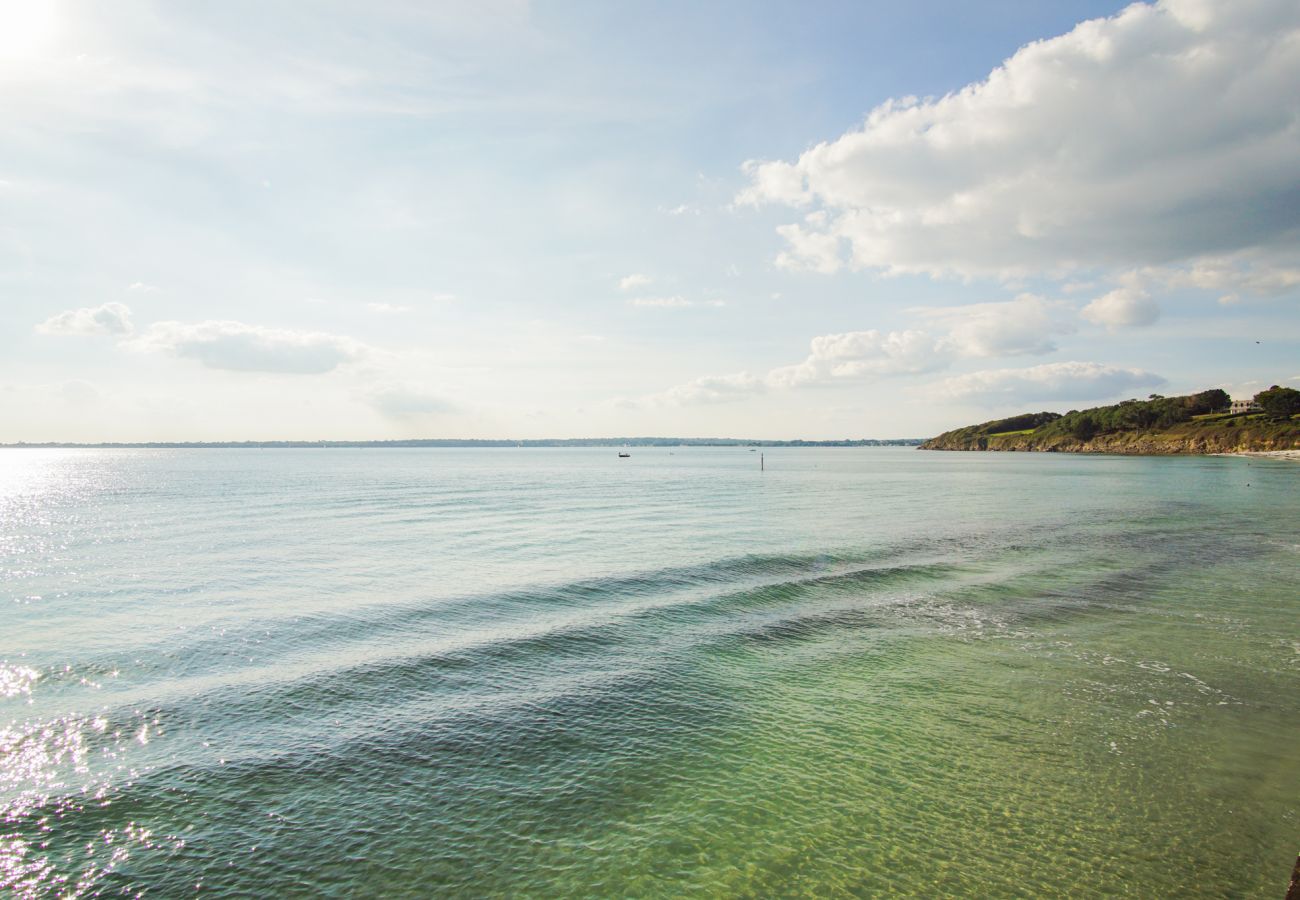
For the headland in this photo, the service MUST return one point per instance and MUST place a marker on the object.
(1193, 424)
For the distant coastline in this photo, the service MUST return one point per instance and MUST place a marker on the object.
(460, 443)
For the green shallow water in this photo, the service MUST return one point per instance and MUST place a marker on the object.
(554, 673)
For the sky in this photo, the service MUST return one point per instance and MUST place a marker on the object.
(510, 219)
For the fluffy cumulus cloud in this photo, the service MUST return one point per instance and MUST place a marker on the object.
(251, 348)
(110, 318)
(1163, 135)
(1122, 307)
(1050, 381)
(814, 245)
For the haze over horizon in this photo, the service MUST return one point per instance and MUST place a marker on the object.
(521, 220)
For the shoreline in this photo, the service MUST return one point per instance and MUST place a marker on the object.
(1293, 455)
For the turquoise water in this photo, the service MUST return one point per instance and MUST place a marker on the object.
(866, 672)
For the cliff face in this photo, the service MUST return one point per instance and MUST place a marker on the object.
(1214, 435)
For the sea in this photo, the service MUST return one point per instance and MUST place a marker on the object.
(545, 672)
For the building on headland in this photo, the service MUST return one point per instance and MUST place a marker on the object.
(1243, 406)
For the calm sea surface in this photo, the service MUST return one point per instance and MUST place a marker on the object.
(556, 673)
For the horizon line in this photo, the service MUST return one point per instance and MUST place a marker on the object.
(644, 440)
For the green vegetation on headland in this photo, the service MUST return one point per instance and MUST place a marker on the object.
(1197, 423)
(457, 442)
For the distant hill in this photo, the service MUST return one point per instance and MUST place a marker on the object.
(1160, 425)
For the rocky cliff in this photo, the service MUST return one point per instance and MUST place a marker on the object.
(1212, 434)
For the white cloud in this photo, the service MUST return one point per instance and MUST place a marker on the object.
(855, 354)
(1015, 327)
(142, 287)
(1050, 381)
(1166, 133)
(111, 318)
(634, 281)
(814, 248)
(832, 357)
(773, 182)
(387, 308)
(406, 401)
(1125, 306)
(251, 348)
(1023, 326)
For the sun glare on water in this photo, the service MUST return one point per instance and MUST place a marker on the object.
(26, 27)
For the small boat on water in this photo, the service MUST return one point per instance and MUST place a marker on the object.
(622, 455)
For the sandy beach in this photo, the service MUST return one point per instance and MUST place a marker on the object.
(1271, 454)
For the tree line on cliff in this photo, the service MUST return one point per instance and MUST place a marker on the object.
(1156, 414)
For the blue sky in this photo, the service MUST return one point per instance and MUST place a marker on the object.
(512, 219)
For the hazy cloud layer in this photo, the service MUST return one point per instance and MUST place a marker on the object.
(251, 348)
(404, 401)
(1048, 382)
(110, 318)
(856, 354)
(832, 357)
(1232, 278)
(1023, 326)
(1166, 133)
(712, 389)
(673, 302)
